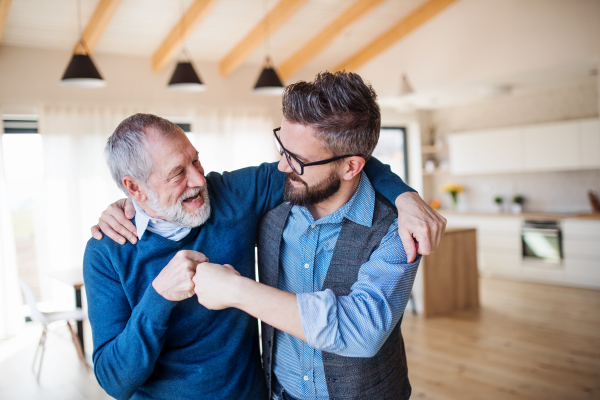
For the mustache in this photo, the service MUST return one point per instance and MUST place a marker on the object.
(292, 176)
(191, 192)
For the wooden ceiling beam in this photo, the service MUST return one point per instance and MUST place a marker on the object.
(4, 7)
(190, 21)
(318, 43)
(413, 21)
(283, 11)
(97, 24)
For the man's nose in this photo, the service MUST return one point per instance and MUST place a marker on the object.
(196, 179)
(283, 165)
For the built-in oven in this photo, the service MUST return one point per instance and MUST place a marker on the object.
(542, 241)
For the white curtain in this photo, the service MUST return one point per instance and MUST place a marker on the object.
(11, 317)
(228, 140)
(77, 188)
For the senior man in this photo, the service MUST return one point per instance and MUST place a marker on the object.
(334, 275)
(150, 339)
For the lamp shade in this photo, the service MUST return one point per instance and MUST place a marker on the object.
(268, 83)
(81, 72)
(186, 79)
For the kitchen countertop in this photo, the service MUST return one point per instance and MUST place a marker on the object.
(525, 215)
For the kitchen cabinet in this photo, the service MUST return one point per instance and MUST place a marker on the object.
(590, 143)
(486, 152)
(557, 146)
(551, 146)
(499, 248)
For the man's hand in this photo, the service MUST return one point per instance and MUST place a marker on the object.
(215, 285)
(174, 282)
(115, 222)
(417, 222)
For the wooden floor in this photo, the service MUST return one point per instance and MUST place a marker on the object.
(527, 341)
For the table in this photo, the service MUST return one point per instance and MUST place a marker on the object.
(73, 277)
(450, 276)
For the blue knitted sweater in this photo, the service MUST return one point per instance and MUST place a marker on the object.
(147, 347)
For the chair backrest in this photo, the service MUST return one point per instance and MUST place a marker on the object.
(36, 315)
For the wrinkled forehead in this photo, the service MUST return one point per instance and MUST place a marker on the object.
(169, 151)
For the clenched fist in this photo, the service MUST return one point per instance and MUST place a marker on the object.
(215, 285)
(174, 282)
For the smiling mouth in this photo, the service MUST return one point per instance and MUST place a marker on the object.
(193, 199)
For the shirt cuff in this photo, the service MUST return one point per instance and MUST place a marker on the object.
(318, 314)
(155, 307)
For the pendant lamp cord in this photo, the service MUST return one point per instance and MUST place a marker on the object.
(182, 30)
(267, 32)
(79, 19)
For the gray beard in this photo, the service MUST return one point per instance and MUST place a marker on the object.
(178, 215)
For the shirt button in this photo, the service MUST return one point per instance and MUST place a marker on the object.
(313, 225)
(305, 377)
(306, 266)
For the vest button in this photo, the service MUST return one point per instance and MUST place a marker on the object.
(269, 343)
(268, 359)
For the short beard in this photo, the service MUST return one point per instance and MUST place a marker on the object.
(177, 214)
(307, 196)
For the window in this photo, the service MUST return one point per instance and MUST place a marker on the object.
(23, 165)
(391, 150)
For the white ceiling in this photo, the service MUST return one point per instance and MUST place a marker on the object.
(139, 26)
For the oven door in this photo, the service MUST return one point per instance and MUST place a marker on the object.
(542, 242)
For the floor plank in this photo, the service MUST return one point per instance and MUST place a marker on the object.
(527, 341)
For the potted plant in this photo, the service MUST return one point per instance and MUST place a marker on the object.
(517, 207)
(498, 200)
(453, 189)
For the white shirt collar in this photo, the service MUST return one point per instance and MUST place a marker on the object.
(159, 226)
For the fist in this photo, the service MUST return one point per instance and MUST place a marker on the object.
(215, 285)
(174, 282)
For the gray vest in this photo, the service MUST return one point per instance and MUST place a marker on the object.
(382, 377)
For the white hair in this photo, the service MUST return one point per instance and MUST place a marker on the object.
(127, 152)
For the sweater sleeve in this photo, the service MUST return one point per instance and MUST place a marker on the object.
(127, 342)
(384, 180)
(258, 189)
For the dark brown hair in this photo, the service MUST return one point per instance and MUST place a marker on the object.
(341, 108)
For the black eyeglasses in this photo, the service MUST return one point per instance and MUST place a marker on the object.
(298, 166)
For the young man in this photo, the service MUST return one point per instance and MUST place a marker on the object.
(150, 339)
(332, 251)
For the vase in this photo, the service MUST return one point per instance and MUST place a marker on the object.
(454, 196)
(517, 208)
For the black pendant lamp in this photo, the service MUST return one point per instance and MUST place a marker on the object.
(268, 82)
(81, 71)
(184, 77)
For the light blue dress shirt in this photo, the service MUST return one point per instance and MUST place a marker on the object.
(356, 325)
(159, 226)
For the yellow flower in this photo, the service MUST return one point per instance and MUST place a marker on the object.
(452, 188)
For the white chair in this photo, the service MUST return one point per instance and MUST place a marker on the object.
(46, 318)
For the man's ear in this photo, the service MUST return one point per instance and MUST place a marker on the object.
(135, 189)
(354, 165)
